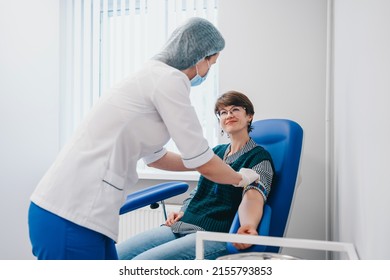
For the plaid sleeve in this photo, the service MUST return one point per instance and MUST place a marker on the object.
(187, 201)
(264, 169)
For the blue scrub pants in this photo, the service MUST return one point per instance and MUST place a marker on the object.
(54, 238)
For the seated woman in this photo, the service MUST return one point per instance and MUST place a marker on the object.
(212, 206)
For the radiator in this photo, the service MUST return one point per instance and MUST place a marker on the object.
(142, 219)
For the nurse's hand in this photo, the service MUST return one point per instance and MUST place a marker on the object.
(248, 176)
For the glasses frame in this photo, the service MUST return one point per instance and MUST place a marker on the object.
(218, 114)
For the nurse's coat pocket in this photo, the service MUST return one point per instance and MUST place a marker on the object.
(110, 198)
(114, 180)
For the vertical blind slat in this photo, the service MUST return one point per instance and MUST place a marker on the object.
(95, 54)
(86, 57)
(104, 55)
(77, 47)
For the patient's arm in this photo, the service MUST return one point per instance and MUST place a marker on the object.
(250, 212)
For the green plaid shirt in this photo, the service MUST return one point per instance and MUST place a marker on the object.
(213, 206)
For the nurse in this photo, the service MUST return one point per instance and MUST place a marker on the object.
(74, 211)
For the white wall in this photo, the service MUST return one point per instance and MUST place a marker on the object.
(361, 95)
(28, 112)
(276, 54)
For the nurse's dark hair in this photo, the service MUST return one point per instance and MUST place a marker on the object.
(235, 98)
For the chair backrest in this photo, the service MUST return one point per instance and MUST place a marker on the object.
(283, 139)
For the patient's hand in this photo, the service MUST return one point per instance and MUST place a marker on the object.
(173, 217)
(245, 229)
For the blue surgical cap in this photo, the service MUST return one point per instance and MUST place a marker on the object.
(190, 43)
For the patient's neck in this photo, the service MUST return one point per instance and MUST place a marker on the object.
(237, 142)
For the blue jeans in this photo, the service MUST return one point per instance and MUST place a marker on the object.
(54, 238)
(162, 244)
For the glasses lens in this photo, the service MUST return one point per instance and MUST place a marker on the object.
(234, 111)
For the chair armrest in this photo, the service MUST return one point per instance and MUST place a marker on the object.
(152, 194)
(263, 229)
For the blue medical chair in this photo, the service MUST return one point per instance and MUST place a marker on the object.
(283, 139)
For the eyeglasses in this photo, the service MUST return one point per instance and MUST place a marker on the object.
(234, 111)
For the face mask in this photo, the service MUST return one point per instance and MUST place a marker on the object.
(197, 80)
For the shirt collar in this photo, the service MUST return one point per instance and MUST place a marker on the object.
(246, 148)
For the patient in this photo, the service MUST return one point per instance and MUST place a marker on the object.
(212, 206)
